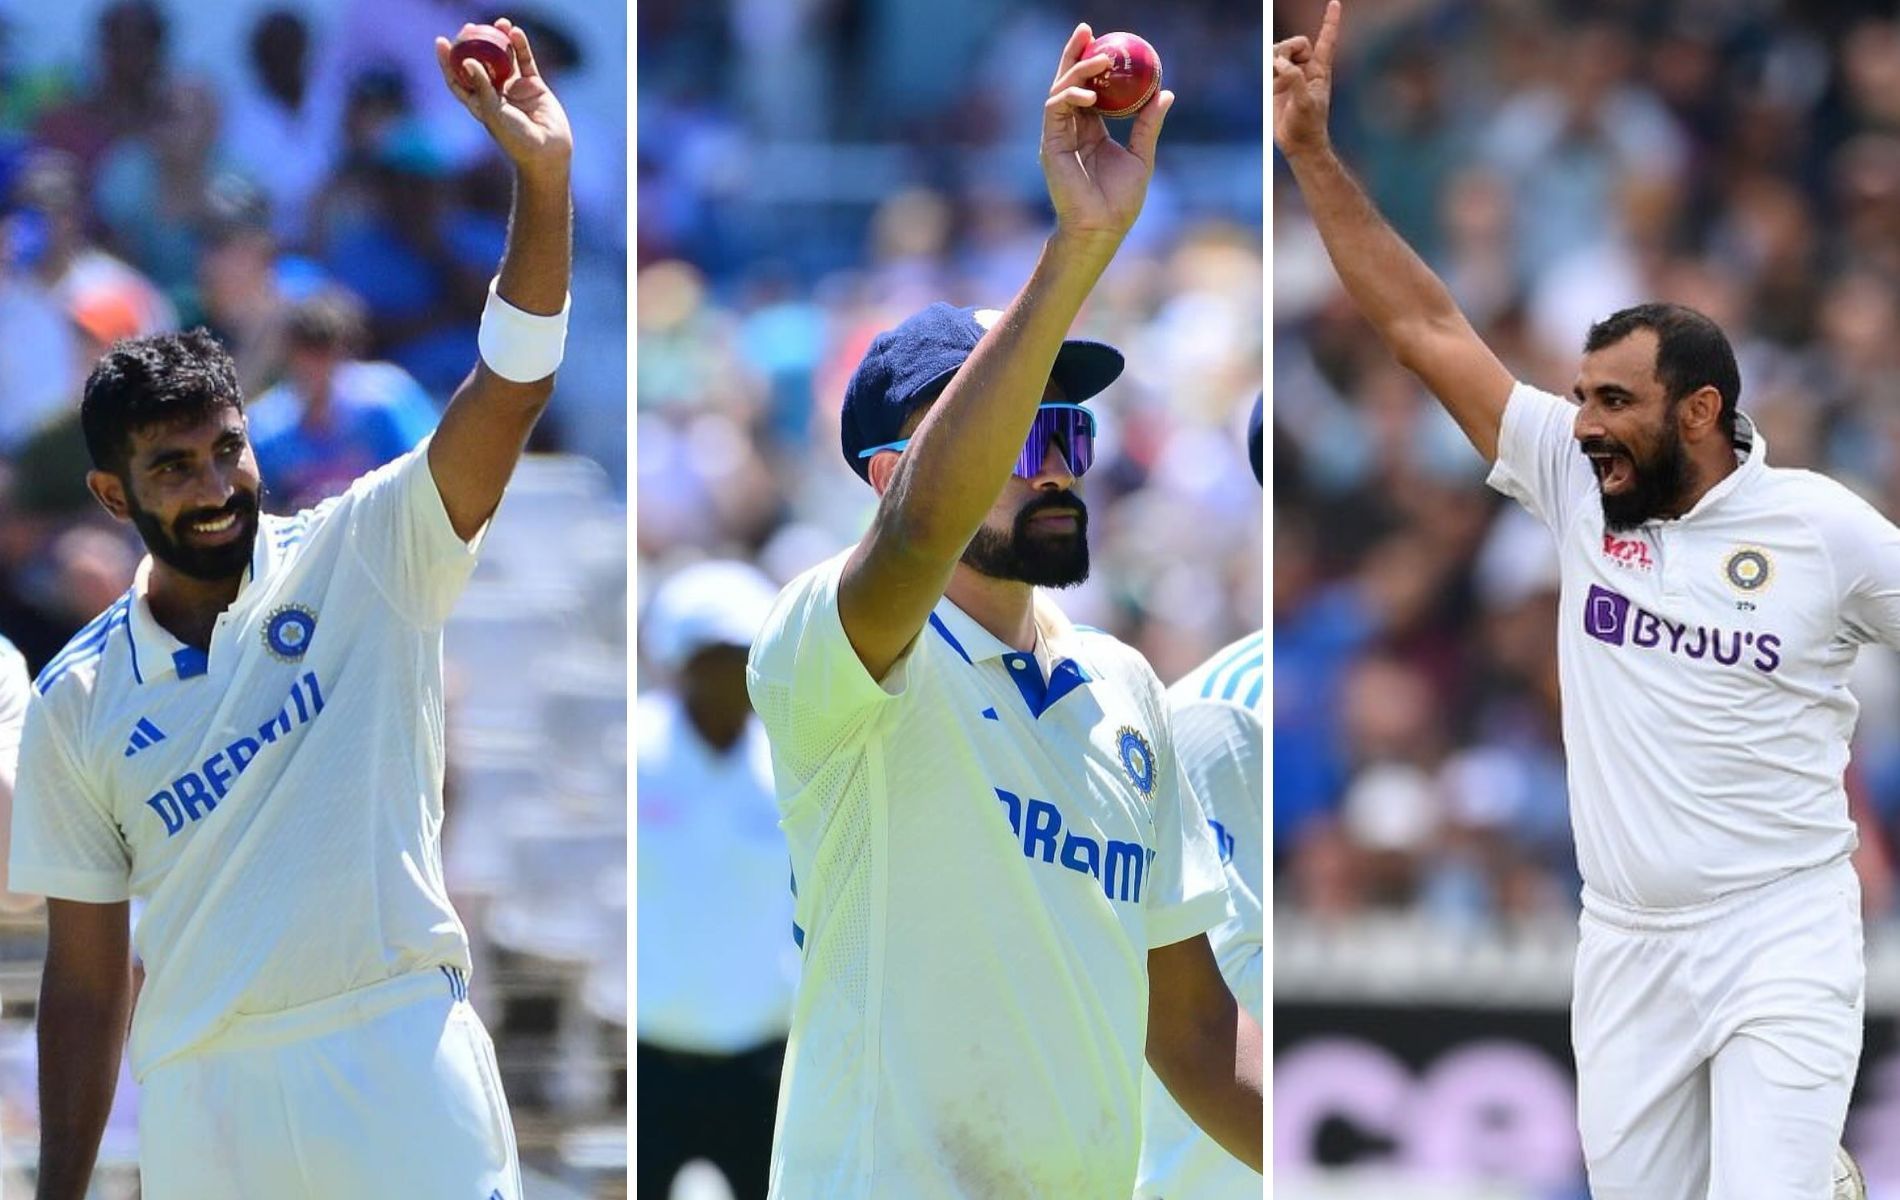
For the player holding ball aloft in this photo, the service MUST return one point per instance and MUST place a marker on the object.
(1706, 716)
(251, 741)
(1003, 880)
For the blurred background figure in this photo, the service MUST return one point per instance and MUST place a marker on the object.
(800, 190)
(334, 416)
(1552, 163)
(717, 959)
(311, 193)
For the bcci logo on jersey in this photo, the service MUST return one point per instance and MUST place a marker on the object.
(1609, 617)
(1748, 570)
(1138, 759)
(287, 632)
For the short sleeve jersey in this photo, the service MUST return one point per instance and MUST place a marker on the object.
(983, 854)
(276, 801)
(1704, 663)
(15, 687)
(1219, 715)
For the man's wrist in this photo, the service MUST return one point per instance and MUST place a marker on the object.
(1088, 249)
(1309, 154)
(550, 175)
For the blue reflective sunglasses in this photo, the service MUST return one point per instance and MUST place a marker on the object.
(1070, 426)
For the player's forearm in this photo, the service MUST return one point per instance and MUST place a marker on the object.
(1217, 1082)
(81, 1036)
(538, 261)
(963, 452)
(1388, 282)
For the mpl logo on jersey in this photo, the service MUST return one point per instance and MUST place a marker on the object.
(1120, 866)
(195, 793)
(1611, 618)
(1629, 553)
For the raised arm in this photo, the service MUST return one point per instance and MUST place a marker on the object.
(490, 416)
(85, 1003)
(962, 454)
(1205, 1048)
(1391, 286)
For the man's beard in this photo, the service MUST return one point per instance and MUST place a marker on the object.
(1655, 486)
(1025, 555)
(209, 564)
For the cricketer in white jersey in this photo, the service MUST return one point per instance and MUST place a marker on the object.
(15, 686)
(1218, 711)
(251, 742)
(1711, 606)
(1002, 878)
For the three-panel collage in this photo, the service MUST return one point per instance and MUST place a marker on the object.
(820, 599)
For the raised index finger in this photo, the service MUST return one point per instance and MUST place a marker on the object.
(1073, 50)
(1328, 36)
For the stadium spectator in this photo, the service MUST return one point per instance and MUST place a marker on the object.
(280, 130)
(334, 416)
(53, 268)
(717, 958)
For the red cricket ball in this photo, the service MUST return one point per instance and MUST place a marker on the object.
(488, 46)
(1131, 80)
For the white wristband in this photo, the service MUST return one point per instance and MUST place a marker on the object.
(521, 346)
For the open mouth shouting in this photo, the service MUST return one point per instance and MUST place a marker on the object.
(1614, 470)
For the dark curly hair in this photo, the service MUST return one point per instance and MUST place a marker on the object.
(161, 379)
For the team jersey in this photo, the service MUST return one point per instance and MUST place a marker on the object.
(983, 853)
(15, 687)
(1704, 664)
(1219, 716)
(275, 802)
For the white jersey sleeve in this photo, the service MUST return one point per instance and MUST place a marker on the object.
(400, 527)
(65, 842)
(1864, 549)
(807, 683)
(1222, 748)
(1538, 463)
(15, 687)
(1189, 892)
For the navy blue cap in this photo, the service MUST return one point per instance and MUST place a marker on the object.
(1253, 435)
(905, 363)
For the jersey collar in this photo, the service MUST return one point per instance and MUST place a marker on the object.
(155, 652)
(1751, 448)
(975, 644)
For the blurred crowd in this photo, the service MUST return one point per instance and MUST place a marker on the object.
(323, 206)
(1553, 163)
(806, 181)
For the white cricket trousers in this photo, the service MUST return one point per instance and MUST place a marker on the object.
(389, 1092)
(1717, 1045)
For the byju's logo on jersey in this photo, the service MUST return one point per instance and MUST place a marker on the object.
(1138, 759)
(1610, 618)
(288, 631)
